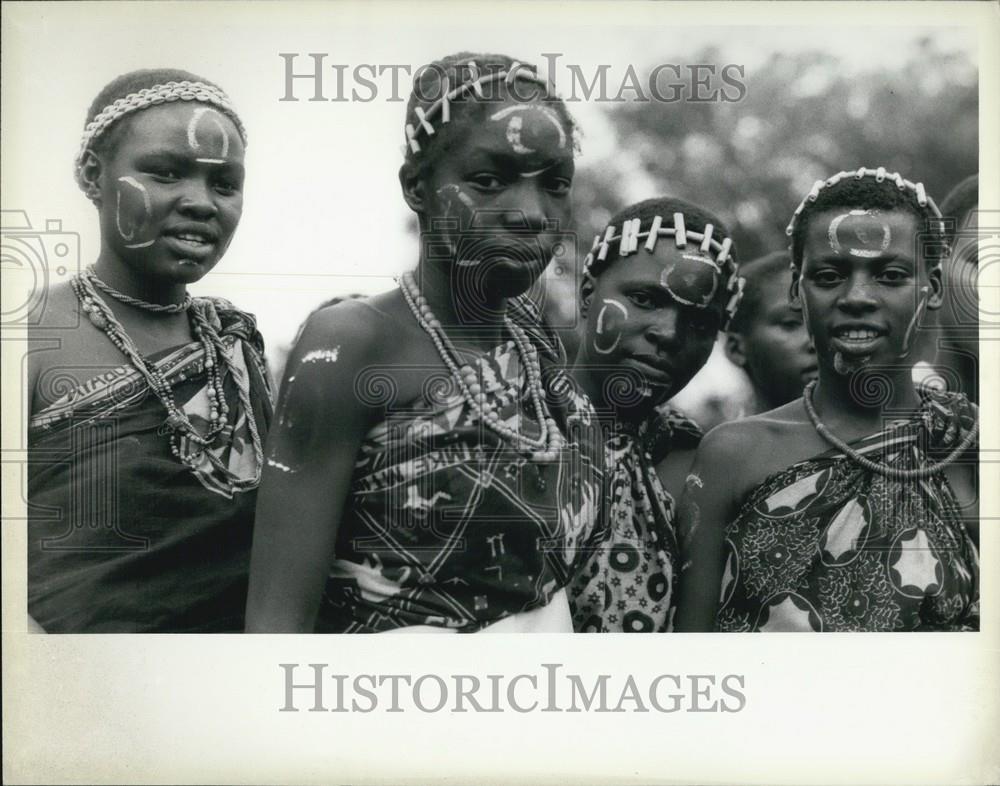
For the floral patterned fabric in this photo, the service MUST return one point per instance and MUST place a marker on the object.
(447, 524)
(826, 545)
(627, 584)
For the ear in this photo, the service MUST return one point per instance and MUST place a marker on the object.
(935, 280)
(587, 290)
(413, 186)
(89, 176)
(794, 293)
(735, 349)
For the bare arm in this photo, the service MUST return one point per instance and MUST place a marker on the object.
(709, 502)
(673, 471)
(311, 451)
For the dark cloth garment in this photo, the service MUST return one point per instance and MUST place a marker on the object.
(124, 538)
(627, 585)
(446, 523)
(827, 545)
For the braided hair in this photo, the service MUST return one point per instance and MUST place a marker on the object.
(138, 90)
(436, 80)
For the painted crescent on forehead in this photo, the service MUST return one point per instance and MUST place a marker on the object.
(861, 233)
(147, 208)
(192, 132)
(544, 111)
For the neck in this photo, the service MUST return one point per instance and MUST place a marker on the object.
(118, 276)
(455, 296)
(865, 396)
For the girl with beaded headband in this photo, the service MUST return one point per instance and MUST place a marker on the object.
(430, 468)
(148, 417)
(659, 283)
(843, 510)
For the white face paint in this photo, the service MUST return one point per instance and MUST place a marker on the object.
(321, 356)
(206, 112)
(864, 234)
(129, 232)
(607, 333)
(515, 125)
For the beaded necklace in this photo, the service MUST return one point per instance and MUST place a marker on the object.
(545, 449)
(85, 286)
(893, 473)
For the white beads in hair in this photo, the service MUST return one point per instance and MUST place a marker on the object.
(475, 84)
(880, 176)
(630, 235)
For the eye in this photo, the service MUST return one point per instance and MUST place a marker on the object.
(895, 275)
(826, 277)
(560, 186)
(226, 187)
(641, 299)
(486, 181)
(164, 174)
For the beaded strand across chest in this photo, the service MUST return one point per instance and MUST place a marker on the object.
(543, 449)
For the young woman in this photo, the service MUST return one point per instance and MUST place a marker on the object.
(658, 286)
(430, 467)
(842, 510)
(148, 414)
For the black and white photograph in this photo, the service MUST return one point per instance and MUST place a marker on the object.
(646, 317)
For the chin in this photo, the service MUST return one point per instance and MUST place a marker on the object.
(510, 279)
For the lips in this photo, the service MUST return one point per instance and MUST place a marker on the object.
(192, 240)
(650, 368)
(856, 339)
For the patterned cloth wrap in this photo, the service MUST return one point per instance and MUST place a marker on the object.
(446, 524)
(122, 537)
(627, 585)
(826, 545)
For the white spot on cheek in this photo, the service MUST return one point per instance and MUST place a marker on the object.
(192, 132)
(147, 208)
(321, 356)
(600, 328)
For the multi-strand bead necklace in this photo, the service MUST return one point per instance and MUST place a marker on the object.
(893, 473)
(543, 449)
(85, 286)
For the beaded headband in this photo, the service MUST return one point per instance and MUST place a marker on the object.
(442, 106)
(151, 96)
(880, 175)
(628, 240)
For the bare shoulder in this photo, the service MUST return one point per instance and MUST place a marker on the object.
(350, 329)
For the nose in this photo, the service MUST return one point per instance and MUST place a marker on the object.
(663, 328)
(526, 206)
(197, 200)
(858, 295)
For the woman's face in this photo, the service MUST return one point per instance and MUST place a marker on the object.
(863, 281)
(641, 318)
(497, 200)
(171, 191)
